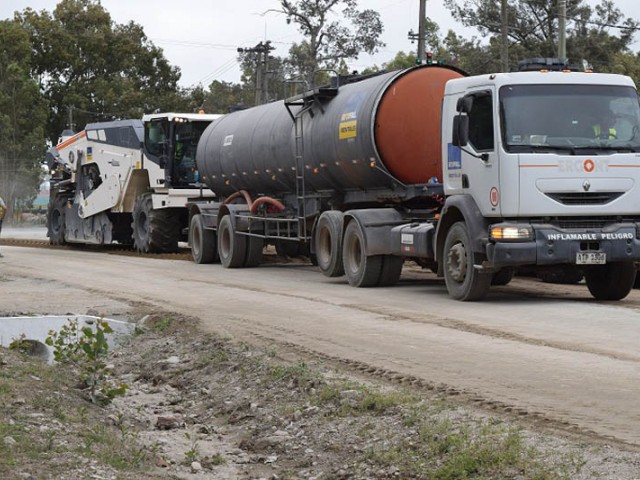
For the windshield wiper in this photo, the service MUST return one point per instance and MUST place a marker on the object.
(608, 148)
(538, 148)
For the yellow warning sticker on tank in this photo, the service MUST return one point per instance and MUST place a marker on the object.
(348, 129)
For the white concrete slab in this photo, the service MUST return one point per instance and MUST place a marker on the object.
(36, 330)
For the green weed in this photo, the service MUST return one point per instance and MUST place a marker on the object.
(87, 349)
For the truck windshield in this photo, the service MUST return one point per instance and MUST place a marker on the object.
(569, 118)
(156, 134)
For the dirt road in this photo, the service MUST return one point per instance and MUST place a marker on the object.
(548, 352)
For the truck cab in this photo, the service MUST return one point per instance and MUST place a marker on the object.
(170, 143)
(541, 169)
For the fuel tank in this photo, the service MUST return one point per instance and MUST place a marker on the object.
(377, 133)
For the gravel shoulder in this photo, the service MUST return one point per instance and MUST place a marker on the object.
(201, 404)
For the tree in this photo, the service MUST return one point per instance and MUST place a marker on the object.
(275, 71)
(23, 115)
(327, 42)
(101, 69)
(222, 97)
(533, 28)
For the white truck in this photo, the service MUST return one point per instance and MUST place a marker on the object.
(472, 177)
(106, 188)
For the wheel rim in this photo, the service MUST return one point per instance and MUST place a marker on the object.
(457, 262)
(354, 250)
(196, 241)
(225, 242)
(324, 247)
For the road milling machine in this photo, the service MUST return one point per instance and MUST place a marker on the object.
(109, 185)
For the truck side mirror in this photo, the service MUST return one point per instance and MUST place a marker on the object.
(460, 137)
(464, 104)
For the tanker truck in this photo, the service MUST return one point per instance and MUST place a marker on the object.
(105, 188)
(469, 176)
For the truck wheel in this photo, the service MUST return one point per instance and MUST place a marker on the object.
(612, 281)
(232, 248)
(503, 276)
(390, 271)
(463, 281)
(154, 231)
(328, 243)
(255, 246)
(204, 248)
(56, 217)
(361, 270)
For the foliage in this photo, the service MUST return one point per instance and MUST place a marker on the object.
(533, 30)
(87, 350)
(21, 344)
(102, 69)
(22, 117)
(327, 42)
(193, 453)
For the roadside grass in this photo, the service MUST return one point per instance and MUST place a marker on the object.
(402, 431)
(53, 428)
(412, 434)
(377, 429)
(438, 444)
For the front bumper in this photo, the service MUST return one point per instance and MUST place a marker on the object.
(554, 246)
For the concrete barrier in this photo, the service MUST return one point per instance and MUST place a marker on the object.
(36, 330)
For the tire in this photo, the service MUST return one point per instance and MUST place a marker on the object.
(203, 242)
(232, 248)
(328, 243)
(56, 218)
(362, 271)
(255, 246)
(154, 231)
(390, 271)
(463, 281)
(503, 276)
(612, 281)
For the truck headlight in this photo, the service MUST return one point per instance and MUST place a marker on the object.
(510, 233)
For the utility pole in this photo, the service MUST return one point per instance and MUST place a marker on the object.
(70, 113)
(421, 30)
(262, 56)
(504, 27)
(421, 35)
(562, 29)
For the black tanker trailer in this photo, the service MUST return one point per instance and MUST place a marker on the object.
(342, 174)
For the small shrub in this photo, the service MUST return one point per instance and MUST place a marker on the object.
(162, 324)
(193, 453)
(20, 344)
(87, 349)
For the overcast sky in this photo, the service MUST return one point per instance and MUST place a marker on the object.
(201, 36)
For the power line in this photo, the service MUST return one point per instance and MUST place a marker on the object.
(189, 43)
(221, 70)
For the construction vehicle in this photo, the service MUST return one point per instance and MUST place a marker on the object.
(106, 188)
(470, 176)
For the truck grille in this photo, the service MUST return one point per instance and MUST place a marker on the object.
(584, 198)
(568, 223)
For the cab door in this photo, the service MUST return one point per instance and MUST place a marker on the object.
(479, 161)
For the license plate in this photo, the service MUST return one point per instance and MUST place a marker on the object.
(591, 258)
